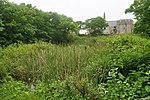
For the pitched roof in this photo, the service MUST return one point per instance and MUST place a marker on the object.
(112, 23)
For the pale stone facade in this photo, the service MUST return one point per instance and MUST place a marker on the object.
(119, 27)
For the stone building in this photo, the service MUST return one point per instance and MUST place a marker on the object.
(119, 26)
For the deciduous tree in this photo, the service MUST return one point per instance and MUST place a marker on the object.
(95, 26)
(141, 10)
(27, 24)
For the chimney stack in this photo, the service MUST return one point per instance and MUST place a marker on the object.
(104, 16)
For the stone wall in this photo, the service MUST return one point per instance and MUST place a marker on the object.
(124, 26)
(121, 27)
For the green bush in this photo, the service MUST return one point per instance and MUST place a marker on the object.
(16, 90)
(130, 63)
(130, 53)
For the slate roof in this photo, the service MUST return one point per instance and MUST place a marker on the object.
(112, 23)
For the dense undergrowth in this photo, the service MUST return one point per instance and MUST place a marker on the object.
(106, 67)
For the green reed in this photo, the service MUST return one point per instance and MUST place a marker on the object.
(46, 62)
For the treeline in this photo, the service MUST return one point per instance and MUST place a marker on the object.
(27, 24)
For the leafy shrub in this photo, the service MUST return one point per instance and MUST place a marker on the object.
(131, 58)
(3, 72)
(130, 53)
(121, 70)
(15, 90)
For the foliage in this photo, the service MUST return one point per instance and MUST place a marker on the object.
(43, 61)
(1, 26)
(106, 67)
(80, 24)
(17, 90)
(13, 90)
(91, 68)
(141, 10)
(130, 53)
(130, 66)
(27, 24)
(95, 26)
(63, 27)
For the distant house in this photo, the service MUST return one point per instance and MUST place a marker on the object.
(83, 32)
(119, 26)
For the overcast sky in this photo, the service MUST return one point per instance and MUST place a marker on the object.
(81, 10)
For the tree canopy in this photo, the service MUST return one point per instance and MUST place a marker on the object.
(27, 24)
(95, 26)
(141, 10)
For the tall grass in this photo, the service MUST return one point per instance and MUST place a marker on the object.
(46, 62)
